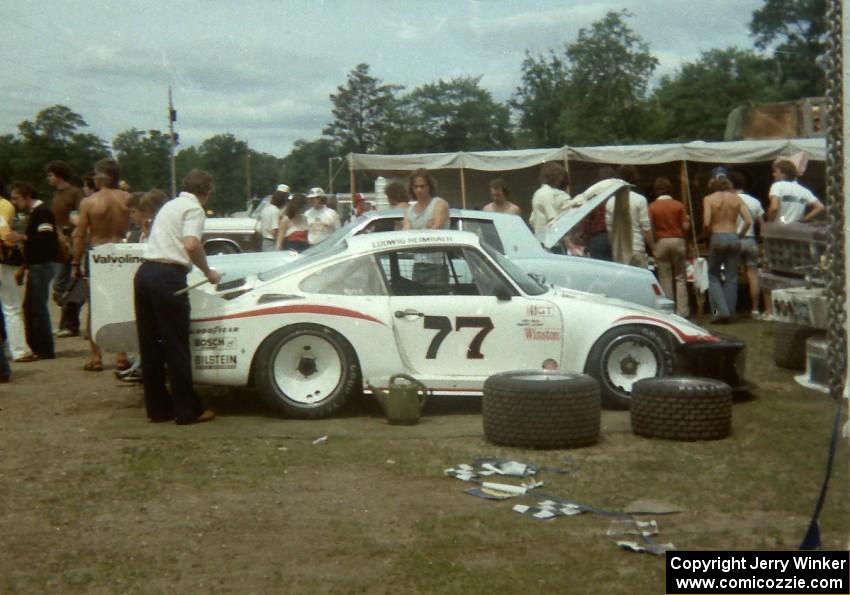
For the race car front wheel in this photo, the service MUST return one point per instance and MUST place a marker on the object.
(306, 371)
(624, 355)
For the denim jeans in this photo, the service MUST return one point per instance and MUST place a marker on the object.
(36, 314)
(725, 254)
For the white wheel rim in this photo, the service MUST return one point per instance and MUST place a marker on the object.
(307, 369)
(629, 361)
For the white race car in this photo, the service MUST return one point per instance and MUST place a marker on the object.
(437, 305)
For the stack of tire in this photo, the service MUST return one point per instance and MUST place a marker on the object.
(541, 409)
(789, 345)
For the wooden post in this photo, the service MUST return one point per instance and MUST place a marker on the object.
(685, 189)
(462, 189)
(569, 177)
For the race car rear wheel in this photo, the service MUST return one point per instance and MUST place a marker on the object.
(306, 371)
(624, 355)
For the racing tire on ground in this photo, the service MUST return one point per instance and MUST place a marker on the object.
(213, 248)
(623, 356)
(682, 408)
(789, 345)
(306, 371)
(541, 409)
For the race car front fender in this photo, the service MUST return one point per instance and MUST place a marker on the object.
(723, 360)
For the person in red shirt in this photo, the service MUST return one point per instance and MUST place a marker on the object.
(671, 225)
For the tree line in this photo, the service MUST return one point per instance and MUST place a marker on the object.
(593, 90)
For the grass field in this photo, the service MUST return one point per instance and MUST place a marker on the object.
(95, 499)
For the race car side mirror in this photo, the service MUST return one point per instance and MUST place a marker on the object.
(503, 294)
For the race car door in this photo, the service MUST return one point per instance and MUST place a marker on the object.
(457, 317)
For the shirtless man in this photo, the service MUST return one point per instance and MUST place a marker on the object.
(104, 218)
(499, 193)
(721, 210)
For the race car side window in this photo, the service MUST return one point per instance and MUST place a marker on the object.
(450, 271)
(358, 276)
(486, 278)
(485, 230)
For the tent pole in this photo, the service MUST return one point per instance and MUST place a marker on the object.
(685, 186)
(685, 190)
(462, 189)
(569, 177)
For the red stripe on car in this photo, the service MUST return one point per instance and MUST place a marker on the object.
(300, 309)
(686, 338)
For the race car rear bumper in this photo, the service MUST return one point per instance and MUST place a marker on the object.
(723, 360)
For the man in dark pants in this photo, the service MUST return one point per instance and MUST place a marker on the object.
(66, 200)
(40, 247)
(162, 313)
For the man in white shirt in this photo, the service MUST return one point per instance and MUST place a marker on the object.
(641, 226)
(270, 217)
(788, 199)
(162, 307)
(322, 221)
(551, 198)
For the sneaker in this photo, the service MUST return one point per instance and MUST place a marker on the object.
(64, 332)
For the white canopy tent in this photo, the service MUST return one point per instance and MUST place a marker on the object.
(463, 176)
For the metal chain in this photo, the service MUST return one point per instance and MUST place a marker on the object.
(835, 277)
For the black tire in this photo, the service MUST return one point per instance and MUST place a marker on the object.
(789, 345)
(292, 358)
(682, 408)
(540, 409)
(616, 393)
(213, 248)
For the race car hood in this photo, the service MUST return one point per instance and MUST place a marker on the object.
(579, 207)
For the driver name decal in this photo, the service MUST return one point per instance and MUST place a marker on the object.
(411, 241)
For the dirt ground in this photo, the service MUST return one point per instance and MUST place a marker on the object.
(95, 499)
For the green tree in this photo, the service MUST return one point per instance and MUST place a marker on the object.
(265, 173)
(539, 100)
(54, 134)
(225, 157)
(683, 108)
(360, 111)
(144, 159)
(609, 69)
(307, 165)
(795, 32)
(453, 115)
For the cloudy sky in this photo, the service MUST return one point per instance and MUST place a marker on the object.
(263, 70)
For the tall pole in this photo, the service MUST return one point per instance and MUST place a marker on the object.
(172, 117)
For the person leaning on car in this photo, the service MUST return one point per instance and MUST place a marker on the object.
(429, 211)
(162, 305)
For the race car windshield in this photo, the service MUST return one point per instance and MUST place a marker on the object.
(307, 258)
(520, 277)
(332, 240)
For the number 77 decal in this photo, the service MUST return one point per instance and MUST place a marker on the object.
(443, 326)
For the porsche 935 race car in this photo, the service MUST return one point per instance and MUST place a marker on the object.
(437, 305)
